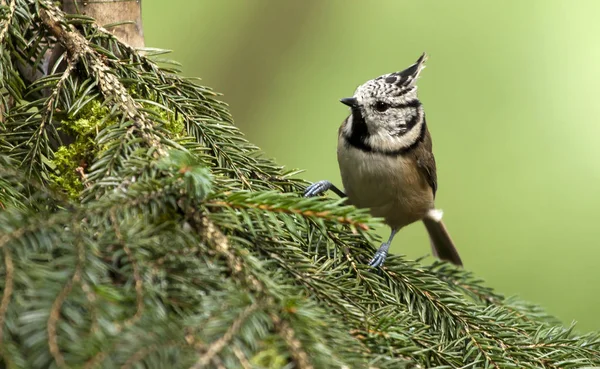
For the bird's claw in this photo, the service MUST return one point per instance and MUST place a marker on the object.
(317, 188)
(379, 257)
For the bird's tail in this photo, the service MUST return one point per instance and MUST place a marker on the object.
(441, 243)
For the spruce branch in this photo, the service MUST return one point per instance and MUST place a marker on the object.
(139, 284)
(7, 291)
(49, 108)
(300, 357)
(12, 6)
(290, 204)
(214, 348)
(139, 228)
(55, 311)
(78, 48)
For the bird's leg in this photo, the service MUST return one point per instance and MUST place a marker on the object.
(320, 187)
(381, 253)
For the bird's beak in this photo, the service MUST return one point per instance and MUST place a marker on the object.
(350, 101)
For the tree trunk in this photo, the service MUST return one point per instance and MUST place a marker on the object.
(113, 12)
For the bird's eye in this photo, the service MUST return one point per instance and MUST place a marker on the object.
(381, 106)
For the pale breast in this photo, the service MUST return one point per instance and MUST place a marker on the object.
(391, 187)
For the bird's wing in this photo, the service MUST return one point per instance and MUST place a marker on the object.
(423, 155)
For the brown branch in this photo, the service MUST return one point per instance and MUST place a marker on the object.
(286, 332)
(241, 357)
(140, 354)
(488, 299)
(81, 171)
(54, 317)
(139, 284)
(91, 297)
(98, 358)
(465, 321)
(481, 350)
(208, 231)
(8, 19)
(359, 274)
(13, 235)
(215, 238)
(145, 351)
(73, 58)
(8, 289)
(305, 213)
(218, 345)
(9, 278)
(219, 242)
(50, 107)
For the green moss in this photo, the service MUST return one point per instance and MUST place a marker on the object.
(66, 161)
(89, 120)
(269, 357)
(172, 124)
(84, 127)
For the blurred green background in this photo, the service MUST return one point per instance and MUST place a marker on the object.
(511, 94)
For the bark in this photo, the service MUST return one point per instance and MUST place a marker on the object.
(110, 12)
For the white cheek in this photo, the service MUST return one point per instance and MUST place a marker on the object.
(407, 114)
(385, 141)
(348, 126)
(388, 122)
(374, 121)
(398, 115)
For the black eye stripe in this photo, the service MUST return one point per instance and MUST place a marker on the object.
(383, 106)
(410, 104)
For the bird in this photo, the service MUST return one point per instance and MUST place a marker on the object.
(386, 160)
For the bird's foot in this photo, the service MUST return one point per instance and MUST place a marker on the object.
(317, 188)
(380, 256)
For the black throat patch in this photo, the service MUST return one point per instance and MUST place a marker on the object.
(360, 132)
